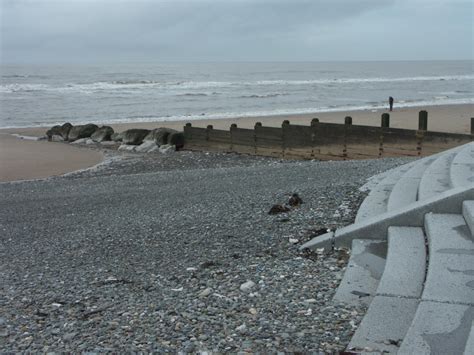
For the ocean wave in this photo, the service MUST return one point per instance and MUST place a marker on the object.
(193, 94)
(195, 85)
(262, 96)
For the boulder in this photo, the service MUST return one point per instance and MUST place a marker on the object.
(116, 137)
(134, 136)
(62, 131)
(167, 148)
(102, 134)
(82, 131)
(159, 135)
(146, 147)
(128, 148)
(56, 138)
(176, 139)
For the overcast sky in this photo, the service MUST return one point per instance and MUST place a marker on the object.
(62, 31)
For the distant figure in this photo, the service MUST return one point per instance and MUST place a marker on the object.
(390, 102)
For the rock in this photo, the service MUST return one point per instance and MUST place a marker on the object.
(176, 139)
(82, 131)
(241, 328)
(247, 286)
(62, 131)
(253, 311)
(69, 336)
(80, 141)
(159, 135)
(295, 200)
(293, 240)
(108, 143)
(167, 148)
(126, 147)
(278, 209)
(116, 137)
(134, 136)
(102, 134)
(204, 293)
(56, 138)
(146, 147)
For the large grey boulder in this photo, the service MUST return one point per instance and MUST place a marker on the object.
(62, 131)
(176, 139)
(82, 131)
(102, 134)
(116, 137)
(134, 136)
(159, 135)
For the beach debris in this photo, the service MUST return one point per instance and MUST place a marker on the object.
(295, 200)
(278, 209)
(102, 134)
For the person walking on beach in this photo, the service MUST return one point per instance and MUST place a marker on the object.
(390, 102)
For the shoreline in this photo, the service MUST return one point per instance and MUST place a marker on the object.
(25, 159)
(404, 117)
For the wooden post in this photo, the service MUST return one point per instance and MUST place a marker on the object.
(283, 145)
(385, 120)
(208, 128)
(232, 127)
(348, 120)
(257, 124)
(472, 125)
(314, 125)
(423, 120)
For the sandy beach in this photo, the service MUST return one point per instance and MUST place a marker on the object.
(23, 159)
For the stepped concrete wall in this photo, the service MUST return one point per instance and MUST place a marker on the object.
(324, 141)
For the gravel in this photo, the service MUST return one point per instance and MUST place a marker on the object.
(177, 252)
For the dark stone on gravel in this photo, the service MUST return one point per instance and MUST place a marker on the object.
(116, 137)
(278, 209)
(295, 200)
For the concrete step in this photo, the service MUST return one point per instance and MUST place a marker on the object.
(376, 201)
(439, 328)
(384, 326)
(363, 272)
(469, 348)
(462, 167)
(412, 216)
(436, 178)
(405, 191)
(405, 267)
(468, 214)
(450, 275)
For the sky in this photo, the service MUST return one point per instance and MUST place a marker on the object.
(70, 31)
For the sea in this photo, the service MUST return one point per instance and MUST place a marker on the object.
(45, 95)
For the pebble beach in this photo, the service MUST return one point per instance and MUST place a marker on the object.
(177, 252)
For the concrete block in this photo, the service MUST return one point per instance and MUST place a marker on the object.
(405, 190)
(363, 272)
(384, 326)
(439, 328)
(404, 271)
(450, 275)
(411, 216)
(468, 214)
(436, 178)
(462, 167)
(376, 201)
